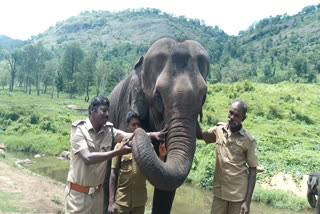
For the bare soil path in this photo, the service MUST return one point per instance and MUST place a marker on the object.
(37, 194)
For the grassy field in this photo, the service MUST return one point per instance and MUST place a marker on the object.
(284, 118)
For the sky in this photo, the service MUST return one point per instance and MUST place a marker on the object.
(20, 19)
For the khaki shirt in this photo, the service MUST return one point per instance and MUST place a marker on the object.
(131, 189)
(234, 154)
(84, 136)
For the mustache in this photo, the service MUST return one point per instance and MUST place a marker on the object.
(232, 121)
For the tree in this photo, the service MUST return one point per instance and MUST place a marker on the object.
(300, 65)
(41, 54)
(72, 58)
(59, 82)
(101, 77)
(27, 62)
(12, 59)
(4, 73)
(115, 75)
(87, 74)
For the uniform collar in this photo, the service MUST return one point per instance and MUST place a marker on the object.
(89, 124)
(241, 131)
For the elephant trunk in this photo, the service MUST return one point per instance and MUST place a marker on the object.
(180, 143)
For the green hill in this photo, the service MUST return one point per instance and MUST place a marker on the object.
(275, 49)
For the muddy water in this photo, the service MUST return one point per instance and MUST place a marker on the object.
(188, 199)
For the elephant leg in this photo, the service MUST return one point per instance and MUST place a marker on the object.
(162, 201)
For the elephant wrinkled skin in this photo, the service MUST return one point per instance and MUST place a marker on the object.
(168, 86)
(313, 191)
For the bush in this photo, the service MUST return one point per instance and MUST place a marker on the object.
(274, 113)
(48, 126)
(279, 199)
(34, 118)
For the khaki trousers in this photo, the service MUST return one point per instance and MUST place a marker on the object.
(77, 202)
(129, 210)
(220, 206)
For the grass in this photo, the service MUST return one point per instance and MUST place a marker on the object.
(280, 199)
(10, 202)
(283, 118)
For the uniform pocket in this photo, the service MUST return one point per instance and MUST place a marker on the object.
(237, 153)
(126, 163)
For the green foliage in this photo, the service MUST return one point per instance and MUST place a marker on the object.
(282, 117)
(279, 199)
(9, 202)
(34, 125)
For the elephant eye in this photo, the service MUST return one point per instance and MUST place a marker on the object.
(203, 66)
(158, 102)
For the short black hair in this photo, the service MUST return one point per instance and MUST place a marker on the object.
(96, 101)
(243, 104)
(130, 115)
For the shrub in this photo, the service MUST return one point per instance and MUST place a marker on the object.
(48, 126)
(274, 113)
(34, 118)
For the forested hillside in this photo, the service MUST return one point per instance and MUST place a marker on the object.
(95, 50)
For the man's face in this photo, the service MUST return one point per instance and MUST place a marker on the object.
(133, 125)
(100, 115)
(235, 116)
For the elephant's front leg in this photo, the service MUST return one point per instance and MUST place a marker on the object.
(162, 201)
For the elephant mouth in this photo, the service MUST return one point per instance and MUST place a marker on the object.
(180, 143)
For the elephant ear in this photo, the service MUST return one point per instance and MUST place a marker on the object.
(200, 113)
(138, 66)
(136, 98)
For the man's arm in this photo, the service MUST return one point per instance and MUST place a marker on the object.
(208, 136)
(97, 157)
(198, 131)
(113, 183)
(245, 207)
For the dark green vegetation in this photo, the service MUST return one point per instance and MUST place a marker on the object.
(283, 118)
(275, 49)
(90, 53)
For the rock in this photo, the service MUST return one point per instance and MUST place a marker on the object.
(37, 156)
(260, 169)
(60, 158)
(65, 155)
(2, 146)
(27, 161)
(2, 153)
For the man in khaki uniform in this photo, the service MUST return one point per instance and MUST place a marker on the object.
(233, 182)
(91, 144)
(127, 190)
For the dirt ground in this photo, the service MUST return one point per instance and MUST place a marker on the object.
(39, 194)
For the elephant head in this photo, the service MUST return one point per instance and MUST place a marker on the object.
(173, 80)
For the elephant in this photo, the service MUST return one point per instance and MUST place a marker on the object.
(168, 86)
(314, 190)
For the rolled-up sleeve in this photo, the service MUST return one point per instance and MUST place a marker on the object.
(77, 140)
(209, 136)
(252, 156)
(119, 135)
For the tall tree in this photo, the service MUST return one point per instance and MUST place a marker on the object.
(4, 73)
(72, 57)
(12, 59)
(41, 54)
(27, 61)
(101, 77)
(87, 74)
